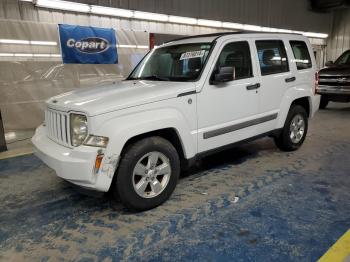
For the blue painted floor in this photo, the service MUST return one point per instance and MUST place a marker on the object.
(252, 203)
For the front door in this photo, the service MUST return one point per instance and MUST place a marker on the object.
(227, 111)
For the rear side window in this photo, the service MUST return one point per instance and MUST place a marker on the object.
(301, 54)
(272, 56)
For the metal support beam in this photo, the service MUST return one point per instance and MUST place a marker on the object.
(3, 146)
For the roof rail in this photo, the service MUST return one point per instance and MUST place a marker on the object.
(220, 34)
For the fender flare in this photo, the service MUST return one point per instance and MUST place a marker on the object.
(291, 95)
(120, 129)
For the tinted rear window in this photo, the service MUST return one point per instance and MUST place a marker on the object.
(301, 54)
(272, 57)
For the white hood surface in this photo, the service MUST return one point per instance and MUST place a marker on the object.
(125, 94)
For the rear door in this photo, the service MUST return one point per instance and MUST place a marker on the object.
(275, 77)
(303, 64)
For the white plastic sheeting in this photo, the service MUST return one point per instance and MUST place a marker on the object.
(29, 75)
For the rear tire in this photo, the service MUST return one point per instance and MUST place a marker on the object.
(294, 130)
(147, 174)
(324, 102)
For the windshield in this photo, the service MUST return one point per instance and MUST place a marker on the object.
(344, 59)
(183, 62)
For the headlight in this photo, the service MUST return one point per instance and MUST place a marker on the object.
(98, 141)
(78, 129)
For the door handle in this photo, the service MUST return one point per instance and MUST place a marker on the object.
(253, 87)
(290, 79)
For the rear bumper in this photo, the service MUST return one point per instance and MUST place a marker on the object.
(75, 165)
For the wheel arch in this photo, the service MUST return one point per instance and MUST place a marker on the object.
(305, 102)
(170, 134)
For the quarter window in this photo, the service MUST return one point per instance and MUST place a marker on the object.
(272, 57)
(237, 56)
(301, 54)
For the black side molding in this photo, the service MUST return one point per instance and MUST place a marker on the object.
(187, 93)
(232, 128)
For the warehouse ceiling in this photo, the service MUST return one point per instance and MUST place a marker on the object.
(328, 5)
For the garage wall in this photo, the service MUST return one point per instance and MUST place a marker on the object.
(295, 15)
(287, 14)
(26, 82)
(339, 40)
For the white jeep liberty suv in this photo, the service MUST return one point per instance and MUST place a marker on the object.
(185, 99)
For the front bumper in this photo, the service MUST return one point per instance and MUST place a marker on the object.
(333, 90)
(75, 164)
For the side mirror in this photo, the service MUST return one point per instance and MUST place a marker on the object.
(329, 63)
(225, 74)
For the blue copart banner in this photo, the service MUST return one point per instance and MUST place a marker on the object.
(88, 45)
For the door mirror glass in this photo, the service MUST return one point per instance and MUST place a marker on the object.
(329, 63)
(225, 74)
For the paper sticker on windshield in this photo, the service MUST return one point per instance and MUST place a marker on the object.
(192, 54)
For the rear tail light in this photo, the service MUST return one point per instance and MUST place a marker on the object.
(316, 82)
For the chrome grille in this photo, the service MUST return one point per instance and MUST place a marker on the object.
(57, 124)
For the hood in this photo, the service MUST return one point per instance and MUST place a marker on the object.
(125, 94)
(335, 70)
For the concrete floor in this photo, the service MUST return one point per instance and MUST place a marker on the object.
(252, 203)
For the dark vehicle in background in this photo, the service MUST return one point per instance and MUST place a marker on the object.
(334, 81)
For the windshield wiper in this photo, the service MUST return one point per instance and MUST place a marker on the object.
(153, 77)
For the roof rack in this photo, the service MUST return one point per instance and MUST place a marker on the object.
(206, 35)
(220, 34)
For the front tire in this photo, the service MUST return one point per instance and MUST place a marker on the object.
(147, 174)
(294, 130)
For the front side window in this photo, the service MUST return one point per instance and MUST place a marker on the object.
(236, 55)
(301, 54)
(182, 63)
(344, 59)
(272, 57)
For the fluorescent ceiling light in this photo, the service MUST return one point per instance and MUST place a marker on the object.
(182, 20)
(127, 46)
(6, 54)
(42, 55)
(151, 16)
(210, 23)
(26, 42)
(28, 55)
(14, 41)
(252, 27)
(298, 32)
(143, 46)
(43, 43)
(284, 31)
(232, 25)
(316, 35)
(24, 54)
(102, 10)
(63, 5)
